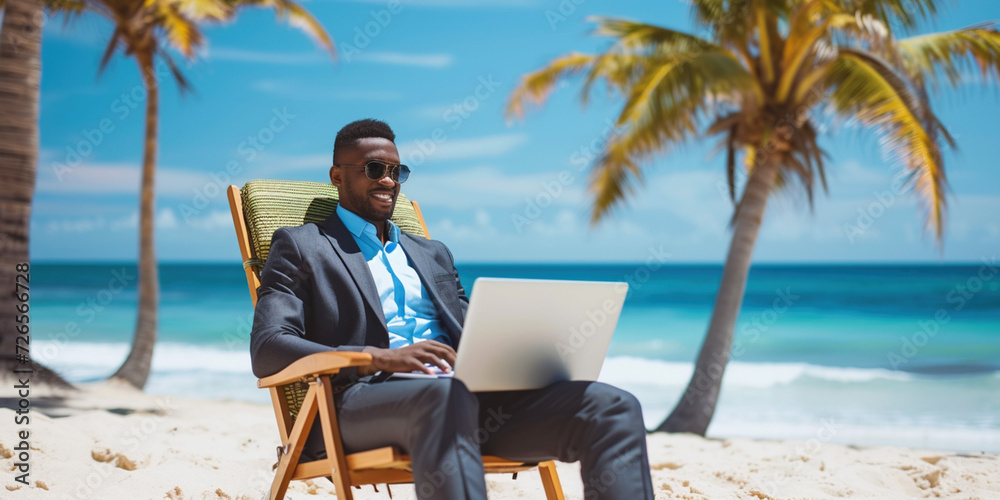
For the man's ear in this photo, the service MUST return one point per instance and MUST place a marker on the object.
(335, 176)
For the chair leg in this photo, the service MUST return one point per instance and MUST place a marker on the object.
(331, 438)
(550, 481)
(289, 461)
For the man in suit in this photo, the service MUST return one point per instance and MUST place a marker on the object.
(355, 282)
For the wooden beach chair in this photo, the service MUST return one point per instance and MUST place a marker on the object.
(302, 391)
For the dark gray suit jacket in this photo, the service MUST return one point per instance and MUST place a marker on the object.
(317, 294)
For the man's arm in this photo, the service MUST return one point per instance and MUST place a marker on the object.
(463, 301)
(278, 335)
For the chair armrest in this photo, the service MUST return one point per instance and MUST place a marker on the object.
(321, 363)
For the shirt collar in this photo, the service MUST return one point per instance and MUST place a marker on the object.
(359, 226)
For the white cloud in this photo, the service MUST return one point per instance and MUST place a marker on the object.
(262, 57)
(481, 228)
(277, 165)
(565, 222)
(428, 150)
(485, 186)
(971, 218)
(166, 220)
(464, 4)
(216, 219)
(127, 222)
(403, 59)
(85, 225)
(292, 89)
(115, 178)
(431, 112)
(427, 60)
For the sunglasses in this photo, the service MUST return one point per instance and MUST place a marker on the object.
(377, 169)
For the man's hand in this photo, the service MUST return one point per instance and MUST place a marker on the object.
(411, 358)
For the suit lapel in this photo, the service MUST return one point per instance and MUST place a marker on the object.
(425, 267)
(347, 249)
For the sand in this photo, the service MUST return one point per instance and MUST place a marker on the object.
(111, 442)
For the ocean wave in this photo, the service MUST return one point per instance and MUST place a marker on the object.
(71, 358)
(625, 369)
(85, 360)
(760, 400)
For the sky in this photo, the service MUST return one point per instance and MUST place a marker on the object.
(267, 103)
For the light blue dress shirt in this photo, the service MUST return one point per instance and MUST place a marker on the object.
(410, 314)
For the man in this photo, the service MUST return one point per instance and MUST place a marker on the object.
(356, 283)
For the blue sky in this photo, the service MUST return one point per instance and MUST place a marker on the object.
(440, 72)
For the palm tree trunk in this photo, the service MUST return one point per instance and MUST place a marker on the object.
(697, 406)
(20, 79)
(135, 369)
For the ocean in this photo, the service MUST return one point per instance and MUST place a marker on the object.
(905, 355)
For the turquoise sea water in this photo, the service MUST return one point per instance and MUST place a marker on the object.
(898, 355)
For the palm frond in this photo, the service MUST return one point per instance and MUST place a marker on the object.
(63, 6)
(633, 36)
(204, 10)
(182, 83)
(661, 122)
(535, 87)
(612, 180)
(950, 51)
(809, 25)
(300, 18)
(766, 43)
(296, 15)
(182, 32)
(904, 13)
(867, 88)
(703, 76)
(727, 20)
(636, 43)
(113, 43)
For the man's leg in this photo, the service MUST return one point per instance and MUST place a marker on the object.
(595, 423)
(433, 420)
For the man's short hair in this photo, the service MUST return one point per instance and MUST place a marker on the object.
(361, 129)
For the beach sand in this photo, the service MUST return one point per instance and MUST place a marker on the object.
(111, 442)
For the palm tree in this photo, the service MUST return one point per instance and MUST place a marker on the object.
(757, 82)
(144, 29)
(20, 79)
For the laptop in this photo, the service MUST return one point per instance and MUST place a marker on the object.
(526, 334)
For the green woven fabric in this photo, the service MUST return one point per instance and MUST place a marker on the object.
(269, 205)
(295, 394)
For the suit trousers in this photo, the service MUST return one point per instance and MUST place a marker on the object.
(446, 429)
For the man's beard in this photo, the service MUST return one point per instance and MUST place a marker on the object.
(365, 206)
